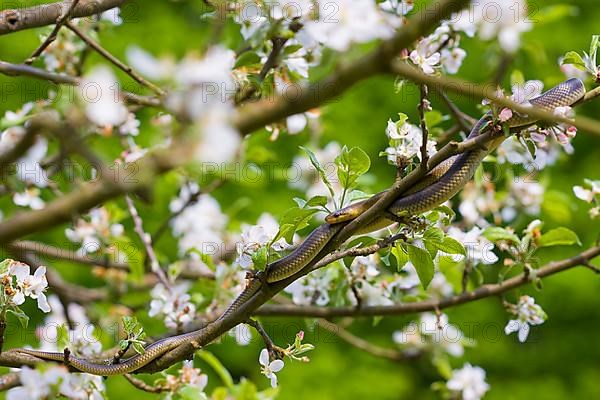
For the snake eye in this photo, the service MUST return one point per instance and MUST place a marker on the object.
(337, 216)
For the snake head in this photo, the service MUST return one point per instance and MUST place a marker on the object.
(342, 215)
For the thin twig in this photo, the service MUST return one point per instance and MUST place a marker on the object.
(118, 63)
(465, 121)
(147, 241)
(52, 37)
(269, 344)
(364, 345)
(423, 107)
(140, 384)
(64, 79)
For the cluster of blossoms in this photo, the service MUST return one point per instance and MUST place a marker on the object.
(173, 304)
(28, 167)
(405, 141)
(55, 381)
(439, 50)
(203, 87)
(528, 314)
(492, 19)
(18, 283)
(431, 333)
(82, 341)
(255, 237)
(313, 288)
(94, 232)
(479, 249)
(199, 225)
(188, 377)
(469, 382)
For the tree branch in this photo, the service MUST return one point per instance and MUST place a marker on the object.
(52, 36)
(14, 20)
(431, 305)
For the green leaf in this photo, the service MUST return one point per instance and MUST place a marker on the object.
(558, 237)
(572, 57)
(421, 259)
(4, 265)
(451, 246)
(351, 165)
(21, 316)
(62, 336)
(495, 234)
(433, 118)
(400, 255)
(260, 257)
(594, 48)
(138, 348)
(317, 165)
(191, 392)
(247, 58)
(316, 201)
(293, 220)
(129, 324)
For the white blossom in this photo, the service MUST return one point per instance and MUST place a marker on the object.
(469, 381)
(269, 369)
(422, 57)
(131, 126)
(400, 7)
(479, 249)
(100, 93)
(188, 376)
(18, 284)
(56, 381)
(432, 331)
(587, 194)
(311, 289)
(257, 236)
(493, 19)
(81, 331)
(242, 334)
(351, 21)
(524, 195)
(148, 65)
(199, 226)
(95, 232)
(113, 15)
(528, 314)
(452, 59)
(405, 142)
(28, 167)
(29, 198)
(205, 87)
(173, 304)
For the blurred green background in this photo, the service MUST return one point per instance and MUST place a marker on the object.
(561, 357)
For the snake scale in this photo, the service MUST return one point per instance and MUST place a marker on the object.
(439, 185)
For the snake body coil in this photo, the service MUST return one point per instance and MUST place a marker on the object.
(441, 184)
